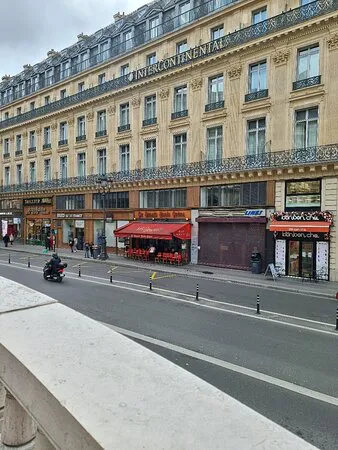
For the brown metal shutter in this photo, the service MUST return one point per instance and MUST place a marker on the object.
(230, 244)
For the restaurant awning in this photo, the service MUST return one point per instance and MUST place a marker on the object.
(300, 226)
(164, 231)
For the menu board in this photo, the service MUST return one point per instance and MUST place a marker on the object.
(280, 256)
(322, 260)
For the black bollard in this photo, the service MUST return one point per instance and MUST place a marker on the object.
(9, 258)
(197, 292)
(150, 284)
(337, 319)
(29, 262)
(79, 271)
(258, 311)
(111, 278)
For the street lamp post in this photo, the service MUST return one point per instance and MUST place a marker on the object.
(103, 188)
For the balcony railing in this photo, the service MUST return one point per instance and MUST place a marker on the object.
(257, 95)
(125, 127)
(6, 155)
(81, 138)
(147, 122)
(297, 157)
(272, 25)
(101, 133)
(300, 84)
(179, 114)
(63, 142)
(46, 146)
(32, 150)
(18, 152)
(215, 105)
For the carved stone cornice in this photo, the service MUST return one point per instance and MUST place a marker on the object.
(332, 42)
(164, 93)
(196, 84)
(281, 57)
(234, 71)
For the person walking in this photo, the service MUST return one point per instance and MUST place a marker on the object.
(51, 243)
(47, 243)
(91, 249)
(6, 240)
(87, 248)
(71, 244)
(11, 238)
(75, 244)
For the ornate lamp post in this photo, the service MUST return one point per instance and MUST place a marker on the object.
(103, 188)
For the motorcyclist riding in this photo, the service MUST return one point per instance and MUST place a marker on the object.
(54, 262)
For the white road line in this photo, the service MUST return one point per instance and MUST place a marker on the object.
(106, 283)
(233, 367)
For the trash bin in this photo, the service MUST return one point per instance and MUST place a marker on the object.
(256, 262)
(96, 251)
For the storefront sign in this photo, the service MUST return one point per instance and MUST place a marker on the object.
(6, 213)
(36, 211)
(255, 212)
(302, 235)
(165, 214)
(38, 201)
(68, 216)
(79, 223)
(319, 216)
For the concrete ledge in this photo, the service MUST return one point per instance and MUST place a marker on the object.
(90, 388)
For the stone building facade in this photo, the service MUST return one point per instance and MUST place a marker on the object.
(203, 111)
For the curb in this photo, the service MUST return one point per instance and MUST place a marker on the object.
(191, 273)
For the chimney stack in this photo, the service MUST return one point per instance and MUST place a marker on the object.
(82, 37)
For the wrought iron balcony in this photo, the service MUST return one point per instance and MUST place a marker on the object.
(179, 114)
(324, 154)
(63, 142)
(101, 133)
(18, 152)
(6, 155)
(257, 95)
(147, 122)
(272, 25)
(81, 138)
(123, 128)
(215, 105)
(46, 146)
(300, 84)
(32, 150)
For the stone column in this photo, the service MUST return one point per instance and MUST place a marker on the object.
(42, 443)
(2, 404)
(19, 429)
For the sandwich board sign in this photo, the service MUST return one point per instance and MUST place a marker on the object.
(272, 269)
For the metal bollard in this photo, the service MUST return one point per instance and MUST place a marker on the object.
(197, 292)
(79, 271)
(111, 278)
(258, 311)
(337, 319)
(9, 258)
(29, 261)
(150, 284)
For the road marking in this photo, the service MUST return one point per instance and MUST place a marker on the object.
(153, 275)
(86, 278)
(233, 367)
(80, 264)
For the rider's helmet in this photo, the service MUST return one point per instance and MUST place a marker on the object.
(54, 255)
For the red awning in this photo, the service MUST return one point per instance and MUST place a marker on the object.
(300, 226)
(155, 230)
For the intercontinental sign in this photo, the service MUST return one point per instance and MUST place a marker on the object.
(181, 58)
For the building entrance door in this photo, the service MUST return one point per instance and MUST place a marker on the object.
(301, 259)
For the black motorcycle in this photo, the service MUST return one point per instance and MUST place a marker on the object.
(56, 275)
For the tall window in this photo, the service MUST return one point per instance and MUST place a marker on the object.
(47, 170)
(83, 61)
(101, 162)
(214, 143)
(47, 136)
(150, 154)
(151, 59)
(32, 172)
(18, 142)
(63, 167)
(63, 94)
(257, 77)
(35, 83)
(63, 132)
(308, 62)
(32, 139)
(65, 70)
(164, 198)
(80, 86)
(101, 122)
(217, 32)
(81, 126)
(31, 106)
(81, 164)
(180, 149)
(124, 114)
(216, 89)
(127, 39)
(259, 16)
(150, 107)
(7, 176)
(124, 70)
(180, 99)
(6, 146)
(47, 100)
(306, 128)
(154, 27)
(256, 137)
(49, 77)
(181, 47)
(124, 158)
(101, 78)
(184, 13)
(104, 50)
(19, 178)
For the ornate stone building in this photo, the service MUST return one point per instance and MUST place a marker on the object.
(218, 113)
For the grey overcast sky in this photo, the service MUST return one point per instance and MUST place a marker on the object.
(29, 28)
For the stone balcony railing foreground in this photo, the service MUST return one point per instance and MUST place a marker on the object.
(72, 383)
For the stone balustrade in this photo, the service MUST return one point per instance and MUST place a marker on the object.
(71, 383)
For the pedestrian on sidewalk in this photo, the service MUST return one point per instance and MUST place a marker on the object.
(6, 240)
(11, 238)
(71, 244)
(91, 249)
(47, 242)
(75, 244)
(87, 249)
(51, 243)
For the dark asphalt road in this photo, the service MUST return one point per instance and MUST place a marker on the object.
(305, 358)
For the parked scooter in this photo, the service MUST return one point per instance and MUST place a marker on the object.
(57, 275)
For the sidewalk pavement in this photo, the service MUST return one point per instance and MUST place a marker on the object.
(241, 277)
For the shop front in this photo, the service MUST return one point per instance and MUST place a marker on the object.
(11, 218)
(70, 226)
(302, 243)
(228, 238)
(38, 219)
